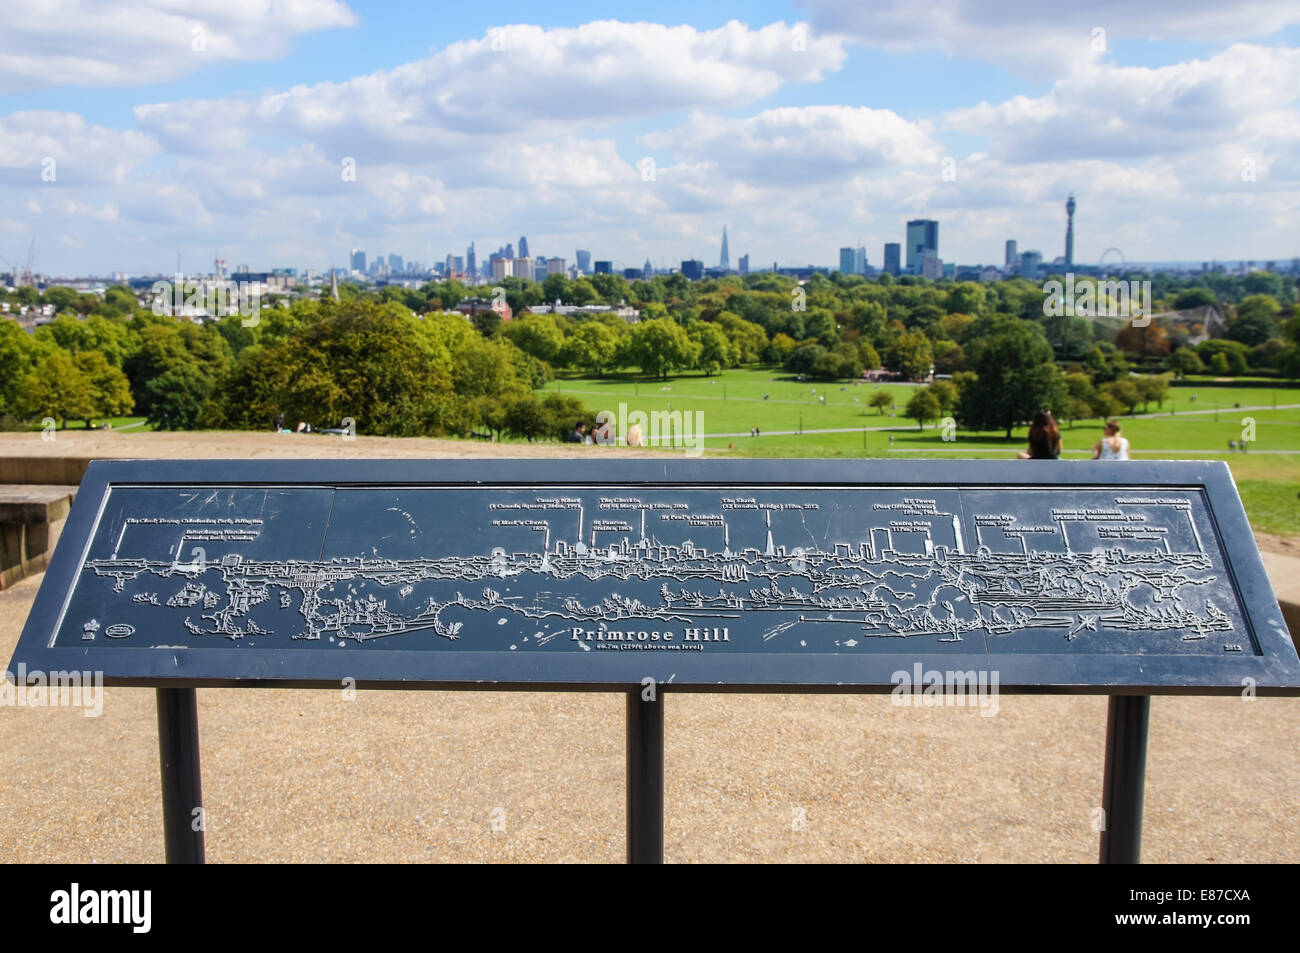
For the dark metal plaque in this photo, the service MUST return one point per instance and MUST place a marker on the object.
(806, 575)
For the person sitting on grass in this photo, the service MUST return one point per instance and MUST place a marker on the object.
(1044, 438)
(1112, 446)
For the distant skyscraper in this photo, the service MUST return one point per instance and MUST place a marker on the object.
(693, 269)
(604, 267)
(583, 260)
(846, 261)
(1069, 232)
(922, 241)
(458, 262)
(725, 261)
(508, 251)
(859, 261)
(892, 258)
(394, 262)
(1029, 263)
(1013, 257)
(555, 266)
(743, 264)
(449, 266)
(523, 246)
(471, 265)
(647, 270)
(358, 260)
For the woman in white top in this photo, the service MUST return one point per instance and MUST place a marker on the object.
(1112, 446)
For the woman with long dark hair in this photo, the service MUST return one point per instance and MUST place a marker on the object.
(1044, 438)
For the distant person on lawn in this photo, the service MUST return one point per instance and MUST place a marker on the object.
(1044, 438)
(1112, 446)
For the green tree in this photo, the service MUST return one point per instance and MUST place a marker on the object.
(1255, 321)
(880, 400)
(1184, 361)
(660, 346)
(110, 390)
(57, 388)
(714, 350)
(593, 346)
(536, 334)
(911, 355)
(945, 394)
(1015, 375)
(1125, 392)
(176, 397)
(922, 406)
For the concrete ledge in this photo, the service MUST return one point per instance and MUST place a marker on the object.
(56, 470)
(31, 518)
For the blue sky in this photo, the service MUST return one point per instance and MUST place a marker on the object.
(134, 130)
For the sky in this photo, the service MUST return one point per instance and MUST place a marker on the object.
(284, 133)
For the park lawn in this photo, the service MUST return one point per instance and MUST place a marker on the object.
(134, 423)
(732, 403)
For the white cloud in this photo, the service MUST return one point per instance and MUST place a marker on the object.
(1044, 39)
(132, 42)
(796, 145)
(1237, 96)
(73, 151)
(514, 81)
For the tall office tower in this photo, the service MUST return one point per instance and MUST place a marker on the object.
(922, 240)
(508, 251)
(604, 267)
(358, 260)
(450, 264)
(502, 268)
(584, 261)
(1012, 258)
(555, 266)
(647, 270)
(743, 264)
(522, 267)
(394, 262)
(523, 246)
(859, 261)
(540, 269)
(846, 261)
(725, 261)
(1069, 232)
(892, 258)
(1029, 263)
(693, 269)
(458, 262)
(471, 265)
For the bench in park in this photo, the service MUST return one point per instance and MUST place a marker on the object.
(650, 577)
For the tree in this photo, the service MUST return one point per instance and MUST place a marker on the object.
(660, 346)
(526, 417)
(1154, 388)
(868, 356)
(1193, 298)
(911, 355)
(1219, 364)
(536, 334)
(1125, 392)
(780, 348)
(1235, 356)
(880, 400)
(59, 389)
(945, 394)
(1015, 376)
(110, 390)
(176, 397)
(593, 346)
(1184, 361)
(714, 350)
(922, 406)
(1149, 341)
(1254, 322)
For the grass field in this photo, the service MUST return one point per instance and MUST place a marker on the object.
(794, 422)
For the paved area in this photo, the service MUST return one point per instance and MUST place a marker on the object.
(414, 776)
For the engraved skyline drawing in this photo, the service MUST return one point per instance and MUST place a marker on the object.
(572, 568)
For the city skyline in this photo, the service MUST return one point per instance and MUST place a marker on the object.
(349, 126)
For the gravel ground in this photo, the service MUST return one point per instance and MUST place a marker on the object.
(416, 776)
